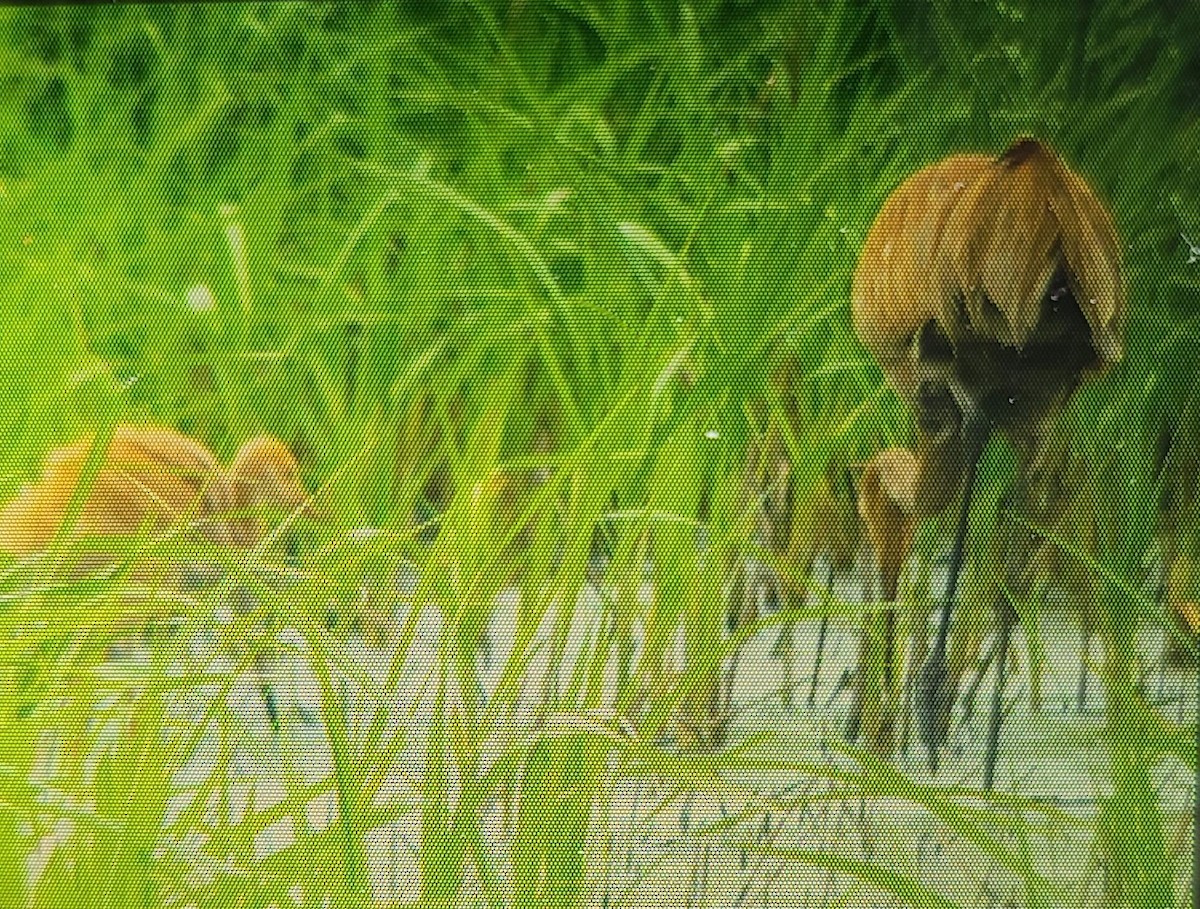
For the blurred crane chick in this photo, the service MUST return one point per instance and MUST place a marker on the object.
(152, 481)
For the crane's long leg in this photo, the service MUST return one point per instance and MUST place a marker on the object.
(263, 659)
(826, 596)
(1196, 797)
(997, 715)
(933, 694)
(1085, 652)
(880, 734)
(266, 690)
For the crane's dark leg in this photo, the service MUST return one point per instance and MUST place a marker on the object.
(821, 631)
(1196, 795)
(854, 720)
(933, 694)
(267, 690)
(997, 716)
(1085, 652)
(968, 698)
(1081, 689)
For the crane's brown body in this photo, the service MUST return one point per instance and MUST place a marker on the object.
(1002, 275)
(987, 289)
(151, 479)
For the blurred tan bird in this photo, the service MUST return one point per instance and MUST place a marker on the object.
(151, 480)
(987, 290)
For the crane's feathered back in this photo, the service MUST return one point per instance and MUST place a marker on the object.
(1026, 221)
(896, 288)
(1003, 273)
(152, 478)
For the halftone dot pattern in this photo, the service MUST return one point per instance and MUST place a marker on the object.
(642, 453)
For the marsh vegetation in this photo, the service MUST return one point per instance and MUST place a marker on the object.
(544, 310)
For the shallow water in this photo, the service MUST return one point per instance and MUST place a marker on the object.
(649, 841)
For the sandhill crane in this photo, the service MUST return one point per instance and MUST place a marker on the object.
(154, 479)
(151, 478)
(987, 290)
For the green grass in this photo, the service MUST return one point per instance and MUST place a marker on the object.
(540, 277)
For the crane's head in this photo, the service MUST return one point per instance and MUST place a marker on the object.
(267, 485)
